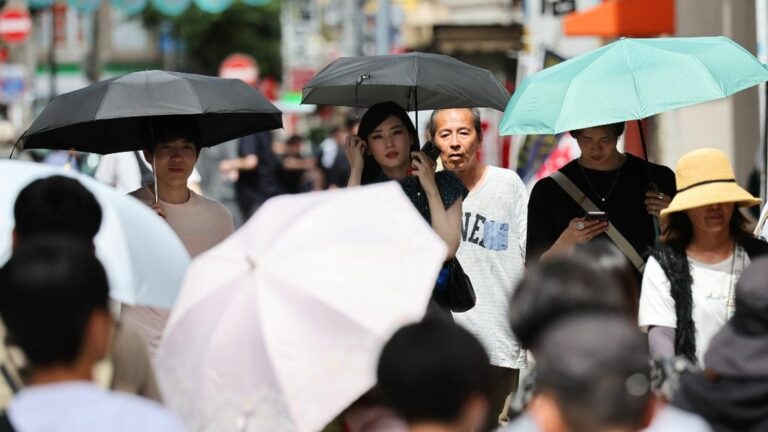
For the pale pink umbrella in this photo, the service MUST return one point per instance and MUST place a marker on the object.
(279, 327)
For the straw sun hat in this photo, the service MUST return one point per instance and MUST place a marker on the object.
(705, 177)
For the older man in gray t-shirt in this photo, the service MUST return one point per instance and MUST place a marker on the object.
(492, 250)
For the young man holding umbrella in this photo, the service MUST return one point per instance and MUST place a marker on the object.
(200, 223)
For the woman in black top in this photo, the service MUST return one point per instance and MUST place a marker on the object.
(386, 148)
(628, 189)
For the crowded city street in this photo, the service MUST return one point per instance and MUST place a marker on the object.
(384, 215)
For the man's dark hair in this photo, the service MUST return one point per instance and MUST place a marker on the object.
(56, 205)
(679, 231)
(294, 139)
(165, 129)
(50, 288)
(597, 370)
(559, 287)
(604, 256)
(615, 129)
(477, 122)
(428, 371)
(350, 122)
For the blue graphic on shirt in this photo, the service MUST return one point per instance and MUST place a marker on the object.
(495, 235)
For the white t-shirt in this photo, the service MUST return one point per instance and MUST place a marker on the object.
(713, 285)
(81, 406)
(492, 253)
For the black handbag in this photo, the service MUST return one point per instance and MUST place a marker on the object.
(453, 289)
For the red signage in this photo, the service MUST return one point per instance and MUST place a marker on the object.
(15, 24)
(240, 66)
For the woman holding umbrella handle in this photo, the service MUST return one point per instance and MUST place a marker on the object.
(386, 148)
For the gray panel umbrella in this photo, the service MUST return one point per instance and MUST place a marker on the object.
(413, 81)
(116, 115)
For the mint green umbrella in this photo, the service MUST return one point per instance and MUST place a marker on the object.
(630, 79)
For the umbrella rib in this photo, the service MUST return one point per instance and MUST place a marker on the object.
(711, 77)
(634, 79)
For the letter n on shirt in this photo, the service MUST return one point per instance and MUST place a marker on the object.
(493, 235)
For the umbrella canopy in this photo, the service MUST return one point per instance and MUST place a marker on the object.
(630, 79)
(279, 327)
(115, 115)
(144, 259)
(413, 81)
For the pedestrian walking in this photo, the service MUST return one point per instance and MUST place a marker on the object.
(254, 172)
(436, 376)
(492, 249)
(55, 304)
(688, 285)
(62, 206)
(592, 375)
(333, 159)
(625, 194)
(200, 223)
(732, 391)
(566, 287)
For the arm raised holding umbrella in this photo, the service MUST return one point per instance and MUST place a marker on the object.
(386, 148)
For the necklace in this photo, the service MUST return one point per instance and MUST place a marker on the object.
(589, 183)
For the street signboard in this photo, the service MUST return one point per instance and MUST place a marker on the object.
(15, 24)
(13, 82)
(240, 66)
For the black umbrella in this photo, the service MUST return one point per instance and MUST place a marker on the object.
(413, 80)
(117, 114)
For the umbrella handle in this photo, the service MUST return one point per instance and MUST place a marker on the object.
(154, 178)
(360, 80)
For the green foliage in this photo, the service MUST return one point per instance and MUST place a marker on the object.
(209, 38)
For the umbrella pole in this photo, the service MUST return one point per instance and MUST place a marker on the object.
(651, 184)
(416, 112)
(642, 139)
(154, 159)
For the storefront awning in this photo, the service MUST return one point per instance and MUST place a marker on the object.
(616, 18)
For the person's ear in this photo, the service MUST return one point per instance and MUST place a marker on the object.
(474, 413)
(98, 334)
(545, 413)
(14, 239)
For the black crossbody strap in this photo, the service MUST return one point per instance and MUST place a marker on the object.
(618, 239)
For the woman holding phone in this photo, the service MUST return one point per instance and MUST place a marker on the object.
(628, 190)
(386, 148)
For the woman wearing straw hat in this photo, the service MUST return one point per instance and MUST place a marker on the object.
(688, 286)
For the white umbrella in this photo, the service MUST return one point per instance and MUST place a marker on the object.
(144, 259)
(279, 327)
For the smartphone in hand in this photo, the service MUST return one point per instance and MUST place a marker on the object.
(596, 216)
(431, 150)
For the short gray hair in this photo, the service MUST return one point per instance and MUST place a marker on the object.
(476, 121)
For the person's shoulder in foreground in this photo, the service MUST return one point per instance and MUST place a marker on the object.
(83, 406)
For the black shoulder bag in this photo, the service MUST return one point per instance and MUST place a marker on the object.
(453, 289)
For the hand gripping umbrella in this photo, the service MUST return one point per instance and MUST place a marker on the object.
(413, 80)
(118, 114)
(630, 79)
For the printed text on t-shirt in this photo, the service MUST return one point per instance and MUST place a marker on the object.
(495, 235)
